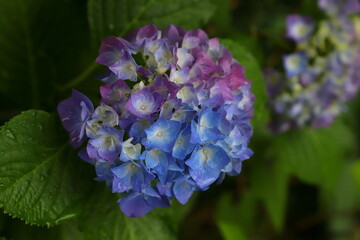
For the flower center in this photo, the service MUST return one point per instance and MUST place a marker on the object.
(205, 155)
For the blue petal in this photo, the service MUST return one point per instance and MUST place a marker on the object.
(130, 176)
(209, 119)
(107, 145)
(122, 179)
(134, 205)
(207, 128)
(234, 167)
(103, 173)
(187, 94)
(168, 107)
(130, 151)
(137, 204)
(184, 115)
(183, 191)
(182, 146)
(165, 189)
(157, 160)
(137, 130)
(195, 136)
(162, 134)
(295, 63)
(206, 164)
(157, 202)
(151, 192)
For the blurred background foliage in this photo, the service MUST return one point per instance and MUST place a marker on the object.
(301, 184)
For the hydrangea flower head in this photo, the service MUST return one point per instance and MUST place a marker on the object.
(323, 73)
(173, 117)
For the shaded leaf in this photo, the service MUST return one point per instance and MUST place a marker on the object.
(104, 220)
(39, 50)
(342, 202)
(237, 218)
(118, 17)
(222, 18)
(316, 156)
(356, 174)
(41, 179)
(269, 183)
(17, 230)
(231, 231)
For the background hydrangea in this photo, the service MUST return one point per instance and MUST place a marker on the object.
(323, 73)
(173, 117)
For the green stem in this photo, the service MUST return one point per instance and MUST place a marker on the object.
(80, 78)
(136, 18)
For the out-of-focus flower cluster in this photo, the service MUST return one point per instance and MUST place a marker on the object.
(173, 117)
(323, 73)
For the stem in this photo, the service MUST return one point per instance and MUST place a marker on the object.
(80, 78)
(136, 18)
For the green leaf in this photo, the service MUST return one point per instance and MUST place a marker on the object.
(231, 231)
(41, 179)
(118, 17)
(222, 18)
(39, 50)
(342, 202)
(104, 220)
(236, 219)
(15, 43)
(254, 74)
(356, 174)
(251, 44)
(316, 156)
(269, 183)
(16, 229)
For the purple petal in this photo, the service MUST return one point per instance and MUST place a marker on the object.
(73, 113)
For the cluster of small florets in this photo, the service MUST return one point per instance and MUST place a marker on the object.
(173, 117)
(324, 72)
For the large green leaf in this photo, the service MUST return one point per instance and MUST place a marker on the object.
(41, 179)
(342, 202)
(356, 174)
(231, 231)
(316, 156)
(103, 219)
(16, 229)
(39, 50)
(117, 17)
(254, 74)
(221, 20)
(269, 183)
(236, 219)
